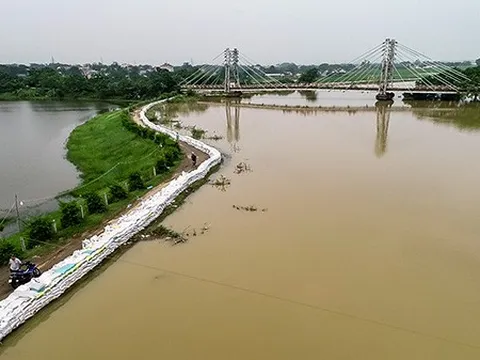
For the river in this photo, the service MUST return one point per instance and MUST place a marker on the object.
(364, 246)
(32, 160)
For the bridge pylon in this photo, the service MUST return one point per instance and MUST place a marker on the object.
(227, 66)
(386, 76)
(231, 69)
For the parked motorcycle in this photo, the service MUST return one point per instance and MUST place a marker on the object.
(24, 275)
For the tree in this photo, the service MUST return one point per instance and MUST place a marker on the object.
(71, 214)
(40, 230)
(95, 203)
(7, 249)
(171, 154)
(117, 192)
(161, 165)
(477, 62)
(135, 182)
(308, 76)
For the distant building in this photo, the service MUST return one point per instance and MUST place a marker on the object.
(167, 67)
(275, 75)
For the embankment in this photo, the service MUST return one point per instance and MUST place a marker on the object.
(28, 299)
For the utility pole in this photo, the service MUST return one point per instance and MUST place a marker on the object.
(18, 214)
(387, 70)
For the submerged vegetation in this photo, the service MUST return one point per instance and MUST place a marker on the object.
(466, 117)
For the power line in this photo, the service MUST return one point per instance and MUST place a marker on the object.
(301, 303)
(284, 299)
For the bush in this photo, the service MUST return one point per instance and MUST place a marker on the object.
(7, 249)
(161, 165)
(197, 133)
(170, 157)
(117, 193)
(71, 214)
(39, 230)
(95, 204)
(135, 182)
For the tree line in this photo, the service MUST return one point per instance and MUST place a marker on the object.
(73, 82)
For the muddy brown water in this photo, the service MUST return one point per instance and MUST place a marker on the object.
(369, 250)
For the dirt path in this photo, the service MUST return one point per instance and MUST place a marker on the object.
(46, 261)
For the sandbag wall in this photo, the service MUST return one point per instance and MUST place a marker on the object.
(29, 298)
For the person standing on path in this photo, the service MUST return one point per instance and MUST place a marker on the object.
(194, 159)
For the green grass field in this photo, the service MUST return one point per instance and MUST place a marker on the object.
(102, 144)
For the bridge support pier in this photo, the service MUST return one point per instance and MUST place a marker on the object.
(387, 70)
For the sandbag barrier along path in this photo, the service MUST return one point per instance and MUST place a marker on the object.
(29, 298)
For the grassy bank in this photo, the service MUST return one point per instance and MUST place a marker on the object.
(106, 150)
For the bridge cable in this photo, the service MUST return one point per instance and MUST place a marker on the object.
(442, 69)
(447, 71)
(262, 75)
(248, 60)
(349, 73)
(361, 57)
(424, 78)
(418, 76)
(204, 65)
(369, 68)
(438, 63)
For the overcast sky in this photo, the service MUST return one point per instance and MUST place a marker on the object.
(267, 31)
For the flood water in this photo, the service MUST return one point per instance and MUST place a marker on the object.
(32, 160)
(325, 98)
(369, 249)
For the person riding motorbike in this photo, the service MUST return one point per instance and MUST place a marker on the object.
(15, 264)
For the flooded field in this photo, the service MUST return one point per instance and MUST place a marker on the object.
(32, 160)
(365, 245)
(320, 98)
(34, 133)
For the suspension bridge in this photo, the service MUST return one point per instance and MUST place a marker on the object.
(389, 66)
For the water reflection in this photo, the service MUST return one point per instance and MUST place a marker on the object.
(309, 95)
(383, 121)
(233, 130)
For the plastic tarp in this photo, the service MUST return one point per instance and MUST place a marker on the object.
(29, 298)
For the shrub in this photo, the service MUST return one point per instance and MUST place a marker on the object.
(161, 165)
(170, 156)
(197, 133)
(71, 214)
(39, 230)
(117, 193)
(135, 182)
(95, 204)
(7, 249)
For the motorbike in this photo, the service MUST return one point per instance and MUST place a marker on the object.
(24, 275)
